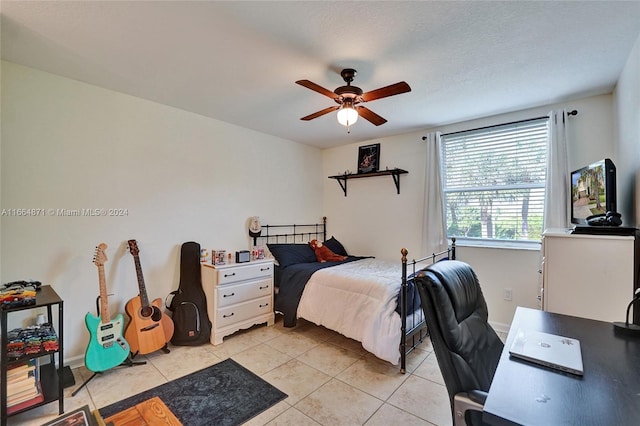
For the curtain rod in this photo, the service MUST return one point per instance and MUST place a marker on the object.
(573, 112)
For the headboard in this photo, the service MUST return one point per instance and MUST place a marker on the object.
(289, 233)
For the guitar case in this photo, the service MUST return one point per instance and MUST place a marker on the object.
(188, 303)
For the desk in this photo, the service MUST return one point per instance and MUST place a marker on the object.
(607, 394)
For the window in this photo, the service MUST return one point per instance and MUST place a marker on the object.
(494, 181)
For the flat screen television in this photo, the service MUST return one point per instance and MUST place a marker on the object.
(593, 191)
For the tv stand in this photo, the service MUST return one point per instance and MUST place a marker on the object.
(604, 230)
(590, 275)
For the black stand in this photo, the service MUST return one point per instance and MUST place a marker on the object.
(126, 363)
(604, 230)
(625, 327)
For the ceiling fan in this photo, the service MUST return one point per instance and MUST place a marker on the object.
(350, 97)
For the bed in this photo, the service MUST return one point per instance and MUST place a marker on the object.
(372, 301)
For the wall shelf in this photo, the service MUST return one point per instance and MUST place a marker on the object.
(394, 173)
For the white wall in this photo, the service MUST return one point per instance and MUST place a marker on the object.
(181, 177)
(627, 107)
(374, 220)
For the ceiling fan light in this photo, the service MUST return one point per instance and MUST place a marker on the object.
(347, 115)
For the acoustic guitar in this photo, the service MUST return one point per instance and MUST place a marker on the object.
(148, 329)
(107, 348)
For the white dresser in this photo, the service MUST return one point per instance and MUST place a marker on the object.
(239, 295)
(590, 276)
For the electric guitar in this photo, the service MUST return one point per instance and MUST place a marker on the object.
(148, 329)
(107, 348)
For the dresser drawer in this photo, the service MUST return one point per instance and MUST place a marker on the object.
(241, 273)
(236, 293)
(236, 313)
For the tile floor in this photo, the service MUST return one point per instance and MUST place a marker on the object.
(330, 379)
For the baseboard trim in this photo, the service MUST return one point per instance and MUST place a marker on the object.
(75, 362)
(500, 327)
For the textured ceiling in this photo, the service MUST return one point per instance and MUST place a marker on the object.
(238, 61)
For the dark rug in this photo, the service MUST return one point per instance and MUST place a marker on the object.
(223, 394)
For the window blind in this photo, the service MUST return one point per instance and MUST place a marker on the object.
(494, 181)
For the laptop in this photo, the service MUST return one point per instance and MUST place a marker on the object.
(557, 352)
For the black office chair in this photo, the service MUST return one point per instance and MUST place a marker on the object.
(466, 347)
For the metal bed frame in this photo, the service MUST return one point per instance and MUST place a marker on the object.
(414, 331)
(317, 229)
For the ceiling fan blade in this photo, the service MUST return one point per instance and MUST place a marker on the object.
(370, 116)
(316, 88)
(383, 92)
(320, 113)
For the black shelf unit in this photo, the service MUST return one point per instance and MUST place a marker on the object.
(394, 173)
(51, 379)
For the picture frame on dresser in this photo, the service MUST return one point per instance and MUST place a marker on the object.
(219, 257)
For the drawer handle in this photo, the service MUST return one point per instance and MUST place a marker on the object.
(228, 295)
(262, 306)
(264, 269)
(227, 316)
(230, 275)
(262, 288)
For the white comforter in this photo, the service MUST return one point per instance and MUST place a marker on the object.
(358, 300)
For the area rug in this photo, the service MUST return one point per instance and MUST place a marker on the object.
(223, 394)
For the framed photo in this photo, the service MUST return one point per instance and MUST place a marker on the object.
(220, 257)
(257, 253)
(369, 158)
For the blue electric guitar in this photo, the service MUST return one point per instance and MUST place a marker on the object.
(107, 348)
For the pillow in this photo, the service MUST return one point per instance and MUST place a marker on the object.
(335, 246)
(290, 254)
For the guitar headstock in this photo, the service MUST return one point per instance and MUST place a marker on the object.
(100, 255)
(133, 247)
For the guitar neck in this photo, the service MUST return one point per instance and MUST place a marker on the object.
(104, 304)
(141, 287)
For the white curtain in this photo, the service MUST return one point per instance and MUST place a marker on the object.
(434, 234)
(556, 206)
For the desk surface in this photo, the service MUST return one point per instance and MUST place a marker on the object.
(607, 394)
